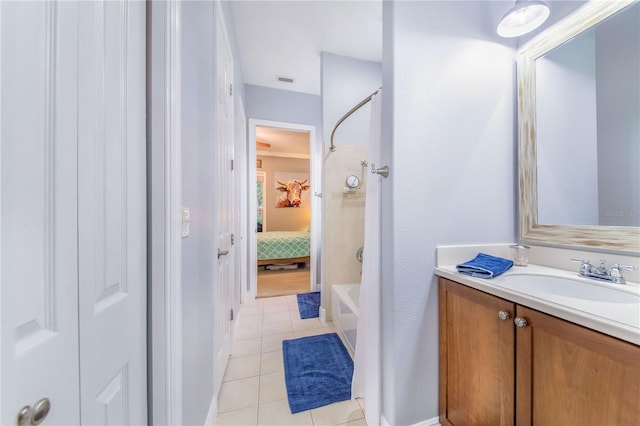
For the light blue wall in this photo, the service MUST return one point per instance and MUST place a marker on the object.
(449, 138)
(345, 82)
(198, 193)
(265, 103)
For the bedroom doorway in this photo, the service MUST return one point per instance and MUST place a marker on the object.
(284, 219)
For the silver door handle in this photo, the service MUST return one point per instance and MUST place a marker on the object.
(34, 416)
(40, 411)
(24, 416)
(222, 253)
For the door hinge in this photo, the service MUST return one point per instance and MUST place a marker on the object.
(231, 316)
(233, 239)
(232, 164)
(231, 90)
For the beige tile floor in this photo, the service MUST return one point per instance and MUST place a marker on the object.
(253, 391)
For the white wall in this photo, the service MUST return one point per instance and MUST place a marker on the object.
(265, 103)
(567, 143)
(449, 138)
(345, 82)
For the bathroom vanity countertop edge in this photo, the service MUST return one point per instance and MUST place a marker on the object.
(598, 321)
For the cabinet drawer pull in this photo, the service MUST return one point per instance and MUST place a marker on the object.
(504, 315)
(520, 322)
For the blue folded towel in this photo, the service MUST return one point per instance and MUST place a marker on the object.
(485, 266)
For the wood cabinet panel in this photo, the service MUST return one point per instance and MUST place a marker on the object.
(476, 357)
(570, 375)
(551, 372)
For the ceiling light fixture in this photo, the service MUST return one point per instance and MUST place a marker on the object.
(525, 16)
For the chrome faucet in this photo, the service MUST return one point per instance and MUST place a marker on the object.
(601, 272)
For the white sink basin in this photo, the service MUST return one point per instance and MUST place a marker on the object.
(575, 289)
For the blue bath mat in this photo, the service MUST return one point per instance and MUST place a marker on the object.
(309, 305)
(317, 371)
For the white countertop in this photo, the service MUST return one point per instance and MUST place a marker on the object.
(615, 319)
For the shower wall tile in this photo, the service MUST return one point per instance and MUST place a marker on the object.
(343, 216)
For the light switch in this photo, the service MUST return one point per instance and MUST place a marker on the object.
(186, 222)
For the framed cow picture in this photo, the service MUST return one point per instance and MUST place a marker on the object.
(292, 189)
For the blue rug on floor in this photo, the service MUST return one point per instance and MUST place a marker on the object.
(309, 305)
(317, 371)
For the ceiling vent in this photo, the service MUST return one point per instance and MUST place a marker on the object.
(285, 79)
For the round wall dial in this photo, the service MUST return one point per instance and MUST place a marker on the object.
(353, 181)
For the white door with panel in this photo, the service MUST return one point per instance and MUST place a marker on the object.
(39, 256)
(225, 211)
(112, 212)
(73, 255)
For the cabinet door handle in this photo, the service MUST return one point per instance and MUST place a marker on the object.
(520, 322)
(504, 315)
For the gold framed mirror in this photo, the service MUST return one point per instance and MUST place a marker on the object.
(564, 232)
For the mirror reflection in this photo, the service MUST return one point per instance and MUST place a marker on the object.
(588, 126)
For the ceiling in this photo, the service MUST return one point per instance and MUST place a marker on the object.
(282, 142)
(286, 38)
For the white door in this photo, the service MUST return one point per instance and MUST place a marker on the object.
(73, 256)
(38, 261)
(224, 208)
(111, 212)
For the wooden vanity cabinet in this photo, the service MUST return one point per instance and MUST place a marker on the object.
(477, 357)
(549, 371)
(567, 374)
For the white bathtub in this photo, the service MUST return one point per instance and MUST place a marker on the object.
(344, 309)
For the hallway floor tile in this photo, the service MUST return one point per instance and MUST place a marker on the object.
(253, 392)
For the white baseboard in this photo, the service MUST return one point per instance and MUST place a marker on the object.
(213, 411)
(431, 422)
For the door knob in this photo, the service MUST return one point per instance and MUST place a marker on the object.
(23, 416)
(222, 253)
(35, 415)
(40, 411)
